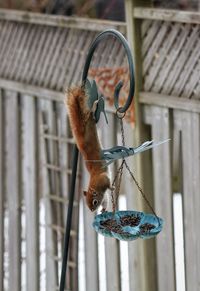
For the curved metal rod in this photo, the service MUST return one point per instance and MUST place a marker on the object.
(124, 42)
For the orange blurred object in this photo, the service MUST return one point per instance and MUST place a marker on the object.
(107, 79)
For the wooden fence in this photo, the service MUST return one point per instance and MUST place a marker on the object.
(167, 44)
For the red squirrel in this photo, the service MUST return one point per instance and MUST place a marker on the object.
(84, 130)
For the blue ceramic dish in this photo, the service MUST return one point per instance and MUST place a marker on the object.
(128, 225)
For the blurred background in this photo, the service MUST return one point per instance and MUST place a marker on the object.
(43, 49)
(101, 9)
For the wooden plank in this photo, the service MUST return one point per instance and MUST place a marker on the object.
(169, 101)
(2, 196)
(90, 244)
(73, 254)
(60, 21)
(13, 189)
(51, 269)
(135, 249)
(30, 182)
(145, 280)
(57, 174)
(32, 90)
(167, 15)
(109, 139)
(64, 156)
(160, 122)
(190, 128)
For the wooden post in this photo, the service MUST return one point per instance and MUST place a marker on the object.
(145, 250)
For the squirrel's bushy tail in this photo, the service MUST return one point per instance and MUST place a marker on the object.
(74, 100)
(84, 129)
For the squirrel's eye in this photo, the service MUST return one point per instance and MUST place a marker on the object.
(95, 202)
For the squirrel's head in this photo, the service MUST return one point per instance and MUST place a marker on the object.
(97, 187)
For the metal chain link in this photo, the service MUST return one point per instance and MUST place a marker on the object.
(116, 186)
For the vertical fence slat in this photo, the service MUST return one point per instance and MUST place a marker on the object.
(136, 249)
(91, 246)
(51, 272)
(191, 199)
(13, 189)
(1, 196)
(30, 182)
(159, 119)
(64, 160)
(111, 245)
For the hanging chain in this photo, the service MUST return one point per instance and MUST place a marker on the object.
(121, 127)
(120, 171)
(140, 190)
(116, 186)
(118, 176)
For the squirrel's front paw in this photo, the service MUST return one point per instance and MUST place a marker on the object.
(103, 210)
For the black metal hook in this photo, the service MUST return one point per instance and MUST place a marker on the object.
(125, 44)
(123, 109)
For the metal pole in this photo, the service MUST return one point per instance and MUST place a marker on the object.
(69, 219)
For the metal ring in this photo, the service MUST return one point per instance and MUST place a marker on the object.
(120, 114)
(124, 42)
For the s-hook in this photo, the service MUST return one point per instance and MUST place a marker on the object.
(101, 36)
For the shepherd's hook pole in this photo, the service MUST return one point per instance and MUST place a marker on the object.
(123, 109)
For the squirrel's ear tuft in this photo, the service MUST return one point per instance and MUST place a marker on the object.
(84, 193)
